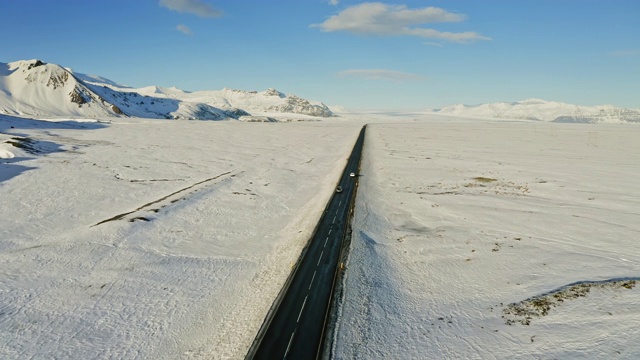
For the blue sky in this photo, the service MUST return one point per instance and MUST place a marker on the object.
(376, 55)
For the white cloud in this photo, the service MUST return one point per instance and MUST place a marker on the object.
(396, 20)
(380, 74)
(184, 29)
(197, 7)
(461, 37)
(333, 2)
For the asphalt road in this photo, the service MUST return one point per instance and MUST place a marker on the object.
(297, 327)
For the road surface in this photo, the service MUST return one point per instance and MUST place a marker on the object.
(297, 326)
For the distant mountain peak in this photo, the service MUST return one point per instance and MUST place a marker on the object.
(544, 110)
(35, 64)
(533, 101)
(273, 92)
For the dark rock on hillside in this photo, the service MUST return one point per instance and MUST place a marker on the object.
(236, 113)
(274, 92)
(299, 105)
(35, 64)
(117, 110)
(77, 97)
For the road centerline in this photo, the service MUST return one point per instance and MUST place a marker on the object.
(302, 308)
(311, 283)
(289, 346)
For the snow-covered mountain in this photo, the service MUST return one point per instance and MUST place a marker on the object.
(268, 101)
(542, 110)
(35, 88)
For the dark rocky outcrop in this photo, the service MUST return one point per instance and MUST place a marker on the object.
(35, 64)
(76, 97)
(58, 79)
(236, 113)
(117, 110)
(297, 105)
(274, 92)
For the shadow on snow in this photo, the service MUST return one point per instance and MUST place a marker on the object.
(11, 135)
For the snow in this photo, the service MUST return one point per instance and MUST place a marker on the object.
(95, 79)
(269, 101)
(457, 219)
(145, 238)
(46, 90)
(207, 220)
(542, 110)
(6, 154)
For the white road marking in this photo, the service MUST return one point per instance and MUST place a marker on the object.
(329, 232)
(334, 220)
(340, 203)
(320, 258)
(302, 308)
(288, 346)
(325, 241)
(314, 276)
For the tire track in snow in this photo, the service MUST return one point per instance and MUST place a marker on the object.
(123, 215)
(247, 165)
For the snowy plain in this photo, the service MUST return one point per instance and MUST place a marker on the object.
(494, 240)
(140, 238)
(161, 239)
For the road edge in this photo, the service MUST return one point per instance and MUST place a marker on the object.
(325, 351)
(278, 300)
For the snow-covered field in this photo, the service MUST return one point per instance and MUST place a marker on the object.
(469, 238)
(140, 238)
(152, 238)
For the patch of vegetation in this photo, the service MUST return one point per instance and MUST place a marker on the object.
(483, 179)
(538, 306)
(25, 144)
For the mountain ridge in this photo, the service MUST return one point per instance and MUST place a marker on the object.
(36, 88)
(544, 110)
